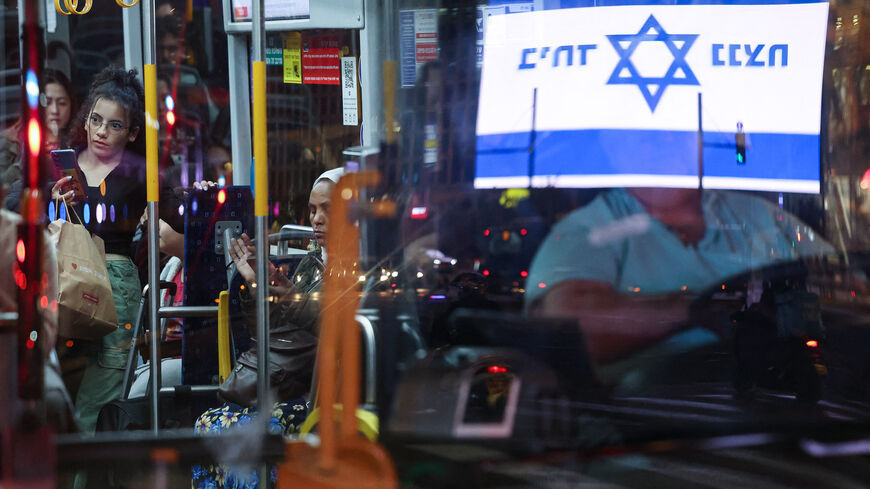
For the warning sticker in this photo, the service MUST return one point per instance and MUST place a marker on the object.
(320, 60)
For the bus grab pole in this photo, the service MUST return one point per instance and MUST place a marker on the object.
(261, 204)
(153, 194)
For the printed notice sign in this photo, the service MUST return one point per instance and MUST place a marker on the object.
(610, 97)
(273, 56)
(349, 105)
(274, 10)
(425, 35)
(320, 60)
(484, 12)
(273, 51)
(50, 17)
(293, 58)
(418, 41)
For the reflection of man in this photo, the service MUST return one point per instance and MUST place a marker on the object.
(168, 38)
(626, 264)
(487, 398)
(497, 386)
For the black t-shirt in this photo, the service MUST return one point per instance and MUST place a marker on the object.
(113, 210)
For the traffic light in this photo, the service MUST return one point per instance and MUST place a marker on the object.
(740, 144)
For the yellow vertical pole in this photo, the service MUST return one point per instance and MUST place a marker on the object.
(152, 192)
(261, 199)
(390, 100)
(224, 364)
(151, 126)
(261, 211)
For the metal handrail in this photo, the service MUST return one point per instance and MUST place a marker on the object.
(162, 313)
(288, 232)
(368, 330)
(193, 388)
(407, 328)
(187, 311)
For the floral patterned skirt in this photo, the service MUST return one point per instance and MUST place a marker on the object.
(287, 418)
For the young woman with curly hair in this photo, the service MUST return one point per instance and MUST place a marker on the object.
(109, 140)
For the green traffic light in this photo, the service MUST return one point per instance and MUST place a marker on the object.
(739, 158)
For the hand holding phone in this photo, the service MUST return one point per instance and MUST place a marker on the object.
(72, 185)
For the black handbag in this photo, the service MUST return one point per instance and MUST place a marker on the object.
(291, 357)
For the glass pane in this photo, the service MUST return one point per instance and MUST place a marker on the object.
(627, 233)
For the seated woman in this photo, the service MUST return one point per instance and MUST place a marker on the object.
(294, 315)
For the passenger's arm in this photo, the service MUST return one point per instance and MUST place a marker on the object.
(170, 200)
(172, 196)
(13, 198)
(614, 325)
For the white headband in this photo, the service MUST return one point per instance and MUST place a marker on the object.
(331, 175)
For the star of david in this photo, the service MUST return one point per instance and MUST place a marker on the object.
(652, 88)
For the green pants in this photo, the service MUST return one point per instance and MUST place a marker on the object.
(104, 374)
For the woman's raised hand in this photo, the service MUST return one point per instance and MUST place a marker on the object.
(242, 252)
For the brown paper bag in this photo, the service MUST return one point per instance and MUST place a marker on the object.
(86, 308)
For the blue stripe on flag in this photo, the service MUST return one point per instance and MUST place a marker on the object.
(614, 152)
(613, 3)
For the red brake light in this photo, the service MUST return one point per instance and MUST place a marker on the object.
(496, 369)
(812, 343)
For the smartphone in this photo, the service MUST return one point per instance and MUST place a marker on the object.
(65, 159)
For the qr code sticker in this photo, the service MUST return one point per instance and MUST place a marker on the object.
(348, 74)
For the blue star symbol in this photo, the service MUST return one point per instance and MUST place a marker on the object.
(652, 88)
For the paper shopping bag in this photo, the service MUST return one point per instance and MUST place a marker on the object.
(86, 308)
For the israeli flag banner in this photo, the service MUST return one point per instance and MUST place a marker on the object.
(654, 96)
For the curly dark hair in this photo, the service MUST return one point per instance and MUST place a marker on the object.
(122, 87)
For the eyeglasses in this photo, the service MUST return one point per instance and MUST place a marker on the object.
(96, 122)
